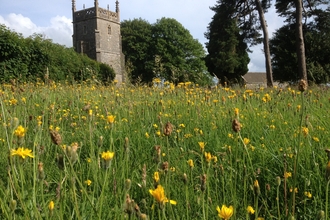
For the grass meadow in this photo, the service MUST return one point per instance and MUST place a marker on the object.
(87, 151)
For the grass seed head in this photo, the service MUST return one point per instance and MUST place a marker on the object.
(302, 86)
(168, 129)
(56, 137)
(236, 125)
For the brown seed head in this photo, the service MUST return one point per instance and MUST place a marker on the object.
(168, 129)
(165, 166)
(56, 137)
(236, 125)
(302, 86)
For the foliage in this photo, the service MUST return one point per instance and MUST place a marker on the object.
(227, 52)
(85, 151)
(317, 47)
(29, 59)
(136, 45)
(164, 49)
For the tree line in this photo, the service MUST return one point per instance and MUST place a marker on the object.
(165, 49)
(36, 58)
(298, 50)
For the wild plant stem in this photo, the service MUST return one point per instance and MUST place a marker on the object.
(296, 161)
(327, 199)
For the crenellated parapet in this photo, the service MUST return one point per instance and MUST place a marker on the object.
(96, 12)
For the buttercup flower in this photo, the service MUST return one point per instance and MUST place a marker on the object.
(225, 212)
(22, 152)
(159, 195)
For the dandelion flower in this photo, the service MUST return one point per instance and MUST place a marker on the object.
(88, 182)
(51, 205)
(21, 152)
(208, 157)
(225, 212)
(20, 131)
(201, 145)
(308, 194)
(246, 141)
(159, 195)
(190, 163)
(156, 177)
(111, 119)
(287, 175)
(107, 155)
(250, 210)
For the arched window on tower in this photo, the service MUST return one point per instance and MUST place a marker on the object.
(109, 29)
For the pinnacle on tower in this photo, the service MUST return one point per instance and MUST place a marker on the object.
(96, 3)
(73, 5)
(117, 6)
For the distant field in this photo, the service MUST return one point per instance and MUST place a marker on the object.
(87, 151)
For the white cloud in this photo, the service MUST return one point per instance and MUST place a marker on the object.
(59, 30)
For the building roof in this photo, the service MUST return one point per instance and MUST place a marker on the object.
(255, 77)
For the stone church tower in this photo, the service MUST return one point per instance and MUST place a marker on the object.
(96, 33)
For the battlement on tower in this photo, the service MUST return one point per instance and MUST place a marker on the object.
(89, 13)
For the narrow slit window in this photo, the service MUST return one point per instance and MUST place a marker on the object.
(109, 29)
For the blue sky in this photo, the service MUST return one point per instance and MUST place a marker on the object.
(53, 18)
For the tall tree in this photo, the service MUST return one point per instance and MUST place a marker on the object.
(182, 56)
(263, 24)
(227, 52)
(164, 49)
(136, 45)
(317, 50)
(293, 11)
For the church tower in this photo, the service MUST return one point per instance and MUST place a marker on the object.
(96, 33)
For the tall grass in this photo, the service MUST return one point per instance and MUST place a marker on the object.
(272, 168)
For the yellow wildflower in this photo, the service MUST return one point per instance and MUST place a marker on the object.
(201, 145)
(305, 131)
(308, 194)
(51, 205)
(295, 190)
(190, 163)
(208, 157)
(159, 195)
(250, 210)
(107, 158)
(156, 177)
(236, 110)
(107, 155)
(22, 152)
(225, 212)
(111, 119)
(20, 131)
(147, 135)
(287, 175)
(246, 141)
(88, 182)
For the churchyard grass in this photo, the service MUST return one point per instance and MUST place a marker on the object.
(88, 151)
